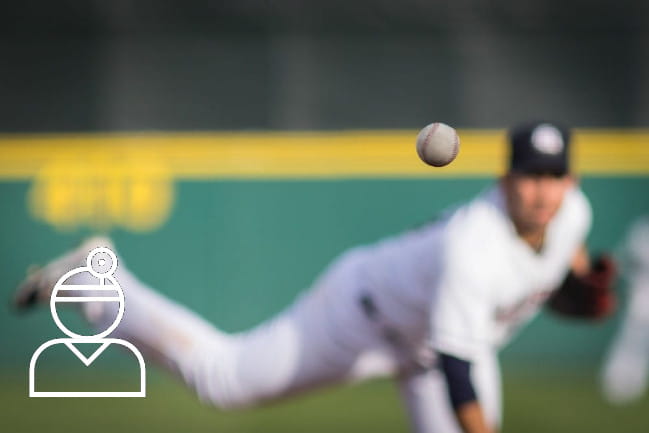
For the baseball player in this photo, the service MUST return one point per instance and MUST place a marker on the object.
(430, 307)
(626, 370)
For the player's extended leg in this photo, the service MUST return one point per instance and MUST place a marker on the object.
(426, 397)
(317, 340)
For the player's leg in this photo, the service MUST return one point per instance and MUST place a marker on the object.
(626, 369)
(426, 396)
(488, 384)
(312, 343)
(320, 339)
(317, 340)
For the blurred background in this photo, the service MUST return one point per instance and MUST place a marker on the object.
(233, 149)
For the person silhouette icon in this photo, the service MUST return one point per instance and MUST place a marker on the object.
(101, 263)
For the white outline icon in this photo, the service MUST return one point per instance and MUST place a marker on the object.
(101, 263)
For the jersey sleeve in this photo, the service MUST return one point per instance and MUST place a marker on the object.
(461, 310)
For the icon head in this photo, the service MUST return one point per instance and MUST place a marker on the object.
(100, 286)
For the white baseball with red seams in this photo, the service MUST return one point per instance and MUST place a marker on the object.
(438, 144)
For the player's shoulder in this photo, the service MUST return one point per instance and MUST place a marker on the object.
(476, 239)
(484, 210)
(479, 221)
(578, 199)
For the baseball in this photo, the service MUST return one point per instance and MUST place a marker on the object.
(438, 144)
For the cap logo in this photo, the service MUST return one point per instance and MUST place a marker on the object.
(547, 139)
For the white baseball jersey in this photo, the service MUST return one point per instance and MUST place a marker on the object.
(467, 282)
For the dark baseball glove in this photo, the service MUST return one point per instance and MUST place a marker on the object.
(590, 296)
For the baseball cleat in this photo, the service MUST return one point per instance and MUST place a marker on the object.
(40, 281)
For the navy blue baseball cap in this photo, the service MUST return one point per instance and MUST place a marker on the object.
(539, 148)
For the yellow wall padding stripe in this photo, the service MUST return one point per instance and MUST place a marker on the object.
(336, 154)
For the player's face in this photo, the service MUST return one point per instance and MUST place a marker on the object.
(534, 199)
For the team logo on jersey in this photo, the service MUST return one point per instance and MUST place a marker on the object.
(547, 139)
